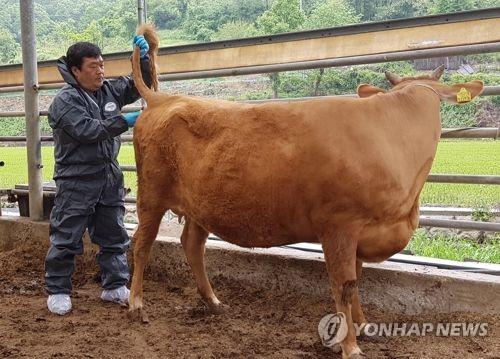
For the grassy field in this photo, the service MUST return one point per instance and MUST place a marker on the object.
(454, 248)
(457, 157)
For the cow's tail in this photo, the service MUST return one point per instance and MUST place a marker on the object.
(153, 40)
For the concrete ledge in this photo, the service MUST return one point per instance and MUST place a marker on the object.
(15, 230)
(391, 287)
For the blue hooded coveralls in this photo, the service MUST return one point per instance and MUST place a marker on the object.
(89, 182)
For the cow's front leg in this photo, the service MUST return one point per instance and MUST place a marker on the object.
(193, 240)
(340, 258)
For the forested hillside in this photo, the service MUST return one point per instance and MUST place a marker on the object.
(111, 23)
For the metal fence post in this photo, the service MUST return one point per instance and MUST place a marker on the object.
(141, 11)
(141, 19)
(33, 142)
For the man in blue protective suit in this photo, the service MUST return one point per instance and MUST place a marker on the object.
(86, 121)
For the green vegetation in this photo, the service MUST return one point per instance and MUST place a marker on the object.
(16, 126)
(468, 157)
(482, 214)
(459, 157)
(464, 157)
(331, 13)
(453, 248)
(111, 23)
(341, 81)
(283, 16)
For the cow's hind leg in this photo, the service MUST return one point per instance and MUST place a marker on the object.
(358, 316)
(193, 241)
(149, 222)
(357, 312)
(340, 258)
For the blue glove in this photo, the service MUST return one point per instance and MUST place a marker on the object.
(131, 117)
(143, 45)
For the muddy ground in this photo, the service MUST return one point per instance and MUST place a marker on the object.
(259, 323)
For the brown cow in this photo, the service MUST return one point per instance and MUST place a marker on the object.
(343, 172)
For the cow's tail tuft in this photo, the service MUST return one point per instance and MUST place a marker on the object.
(153, 40)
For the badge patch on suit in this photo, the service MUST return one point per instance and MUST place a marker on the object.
(110, 106)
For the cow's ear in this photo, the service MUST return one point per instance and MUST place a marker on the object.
(461, 93)
(365, 90)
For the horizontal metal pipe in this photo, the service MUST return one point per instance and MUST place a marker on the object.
(25, 192)
(306, 65)
(23, 138)
(432, 211)
(49, 193)
(130, 200)
(52, 86)
(464, 179)
(453, 211)
(471, 15)
(8, 114)
(12, 114)
(495, 91)
(45, 112)
(456, 224)
(471, 132)
(491, 91)
(12, 89)
(432, 222)
(426, 211)
(424, 221)
(488, 91)
(471, 179)
(128, 168)
(345, 61)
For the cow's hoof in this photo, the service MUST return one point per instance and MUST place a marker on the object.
(336, 348)
(138, 315)
(355, 354)
(214, 306)
(217, 309)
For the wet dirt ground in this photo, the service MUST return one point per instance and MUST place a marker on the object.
(258, 324)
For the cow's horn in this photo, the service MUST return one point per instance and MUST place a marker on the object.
(436, 74)
(393, 78)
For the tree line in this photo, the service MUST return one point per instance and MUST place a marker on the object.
(111, 23)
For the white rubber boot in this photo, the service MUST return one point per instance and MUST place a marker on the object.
(59, 304)
(119, 295)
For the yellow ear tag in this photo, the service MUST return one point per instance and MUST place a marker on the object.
(463, 95)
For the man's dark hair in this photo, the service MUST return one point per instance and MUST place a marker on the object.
(76, 53)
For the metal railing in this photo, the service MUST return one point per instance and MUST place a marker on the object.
(34, 139)
(31, 109)
(384, 39)
(436, 178)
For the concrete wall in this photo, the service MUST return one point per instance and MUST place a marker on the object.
(395, 288)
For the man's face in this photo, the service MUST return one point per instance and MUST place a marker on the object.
(91, 75)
